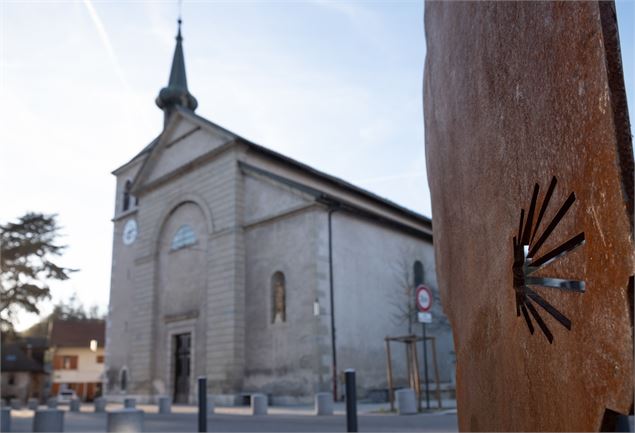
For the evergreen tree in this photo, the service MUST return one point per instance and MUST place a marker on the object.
(26, 249)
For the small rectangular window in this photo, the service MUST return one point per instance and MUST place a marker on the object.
(100, 359)
(69, 362)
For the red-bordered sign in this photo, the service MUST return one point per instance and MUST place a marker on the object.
(424, 298)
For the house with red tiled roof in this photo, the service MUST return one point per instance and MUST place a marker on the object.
(77, 356)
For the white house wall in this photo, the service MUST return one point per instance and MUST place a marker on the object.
(88, 369)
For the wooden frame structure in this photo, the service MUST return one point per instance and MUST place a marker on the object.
(412, 362)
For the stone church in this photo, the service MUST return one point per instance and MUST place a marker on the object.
(237, 263)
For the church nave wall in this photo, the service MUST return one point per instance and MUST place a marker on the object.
(281, 340)
(370, 262)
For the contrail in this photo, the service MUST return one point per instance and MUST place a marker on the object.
(106, 41)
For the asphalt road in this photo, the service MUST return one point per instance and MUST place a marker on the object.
(180, 421)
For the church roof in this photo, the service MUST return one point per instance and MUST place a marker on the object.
(317, 173)
(77, 333)
(332, 180)
(145, 150)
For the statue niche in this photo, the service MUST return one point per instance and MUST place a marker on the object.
(278, 298)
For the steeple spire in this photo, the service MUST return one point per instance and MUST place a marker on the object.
(176, 92)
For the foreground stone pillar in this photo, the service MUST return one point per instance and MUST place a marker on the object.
(323, 403)
(258, 404)
(74, 405)
(33, 404)
(48, 420)
(406, 401)
(5, 419)
(51, 403)
(125, 420)
(100, 404)
(129, 403)
(16, 404)
(165, 404)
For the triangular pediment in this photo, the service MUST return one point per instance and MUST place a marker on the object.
(267, 196)
(186, 138)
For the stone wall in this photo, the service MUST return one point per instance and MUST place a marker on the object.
(371, 265)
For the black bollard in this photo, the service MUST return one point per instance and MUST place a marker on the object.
(202, 404)
(351, 401)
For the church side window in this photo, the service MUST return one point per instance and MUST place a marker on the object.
(418, 273)
(184, 237)
(126, 195)
(278, 298)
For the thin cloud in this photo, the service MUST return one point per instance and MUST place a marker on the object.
(103, 35)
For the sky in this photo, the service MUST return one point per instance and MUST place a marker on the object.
(334, 84)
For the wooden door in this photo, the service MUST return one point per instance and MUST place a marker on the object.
(182, 343)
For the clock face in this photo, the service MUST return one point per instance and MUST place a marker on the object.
(130, 232)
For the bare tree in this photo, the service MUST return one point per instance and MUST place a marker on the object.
(403, 299)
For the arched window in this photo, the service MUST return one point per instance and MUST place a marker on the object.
(126, 195)
(183, 237)
(123, 379)
(278, 298)
(418, 273)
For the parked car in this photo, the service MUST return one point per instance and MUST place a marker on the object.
(65, 396)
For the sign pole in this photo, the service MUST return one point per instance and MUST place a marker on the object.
(424, 343)
(424, 304)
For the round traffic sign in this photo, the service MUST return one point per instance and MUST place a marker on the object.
(424, 298)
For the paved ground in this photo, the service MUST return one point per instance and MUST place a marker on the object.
(371, 418)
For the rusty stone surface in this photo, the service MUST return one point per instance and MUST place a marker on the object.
(516, 94)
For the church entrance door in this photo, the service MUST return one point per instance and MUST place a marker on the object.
(182, 367)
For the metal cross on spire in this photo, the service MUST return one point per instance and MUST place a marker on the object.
(180, 20)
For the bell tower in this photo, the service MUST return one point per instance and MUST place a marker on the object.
(176, 92)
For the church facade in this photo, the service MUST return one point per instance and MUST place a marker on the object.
(237, 263)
